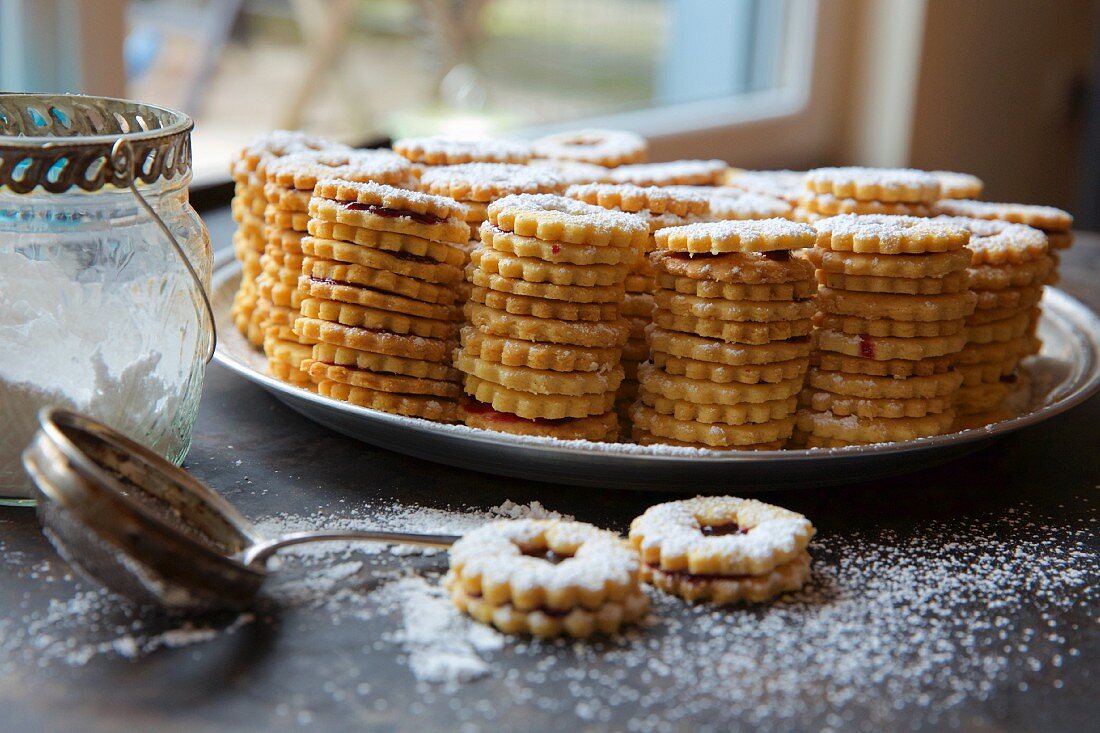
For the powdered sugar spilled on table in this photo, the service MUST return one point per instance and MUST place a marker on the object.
(940, 615)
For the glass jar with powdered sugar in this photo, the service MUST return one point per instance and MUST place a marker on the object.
(104, 268)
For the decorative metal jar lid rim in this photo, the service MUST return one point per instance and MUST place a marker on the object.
(58, 141)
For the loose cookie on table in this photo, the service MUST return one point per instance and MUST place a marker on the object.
(723, 549)
(546, 578)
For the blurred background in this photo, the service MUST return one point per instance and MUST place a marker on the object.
(1006, 89)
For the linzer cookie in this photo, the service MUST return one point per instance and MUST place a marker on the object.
(733, 203)
(887, 185)
(546, 578)
(453, 151)
(958, 185)
(786, 185)
(571, 171)
(559, 219)
(765, 235)
(723, 549)
(673, 173)
(388, 209)
(606, 148)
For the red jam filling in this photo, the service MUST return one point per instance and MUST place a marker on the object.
(410, 257)
(866, 347)
(393, 213)
(779, 255)
(720, 530)
(482, 408)
(555, 249)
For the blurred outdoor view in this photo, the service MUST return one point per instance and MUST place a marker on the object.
(367, 69)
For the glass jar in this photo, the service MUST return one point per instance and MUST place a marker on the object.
(104, 268)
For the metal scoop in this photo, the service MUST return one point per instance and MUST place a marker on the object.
(138, 525)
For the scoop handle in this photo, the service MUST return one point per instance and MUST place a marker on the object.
(261, 551)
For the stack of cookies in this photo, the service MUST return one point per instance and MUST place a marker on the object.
(866, 191)
(288, 187)
(729, 340)
(893, 306)
(661, 208)
(1055, 223)
(249, 241)
(542, 345)
(1007, 271)
(378, 289)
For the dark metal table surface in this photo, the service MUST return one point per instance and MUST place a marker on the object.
(305, 666)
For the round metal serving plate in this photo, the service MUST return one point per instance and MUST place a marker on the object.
(1066, 373)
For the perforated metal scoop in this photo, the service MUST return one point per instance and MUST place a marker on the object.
(147, 530)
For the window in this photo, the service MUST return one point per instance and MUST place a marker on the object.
(368, 69)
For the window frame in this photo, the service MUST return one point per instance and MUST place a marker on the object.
(794, 124)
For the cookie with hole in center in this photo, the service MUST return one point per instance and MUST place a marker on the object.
(723, 549)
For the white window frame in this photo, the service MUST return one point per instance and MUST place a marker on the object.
(794, 124)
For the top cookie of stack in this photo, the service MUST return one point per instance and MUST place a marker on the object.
(541, 348)
(856, 190)
(893, 304)
(728, 342)
(1056, 224)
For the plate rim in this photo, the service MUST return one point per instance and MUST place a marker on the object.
(227, 267)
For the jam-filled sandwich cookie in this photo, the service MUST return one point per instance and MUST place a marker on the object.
(605, 148)
(454, 151)
(723, 549)
(546, 578)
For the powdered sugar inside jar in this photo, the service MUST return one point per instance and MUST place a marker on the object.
(97, 311)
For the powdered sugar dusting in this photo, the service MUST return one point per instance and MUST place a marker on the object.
(451, 151)
(782, 184)
(1047, 218)
(703, 172)
(934, 619)
(994, 241)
